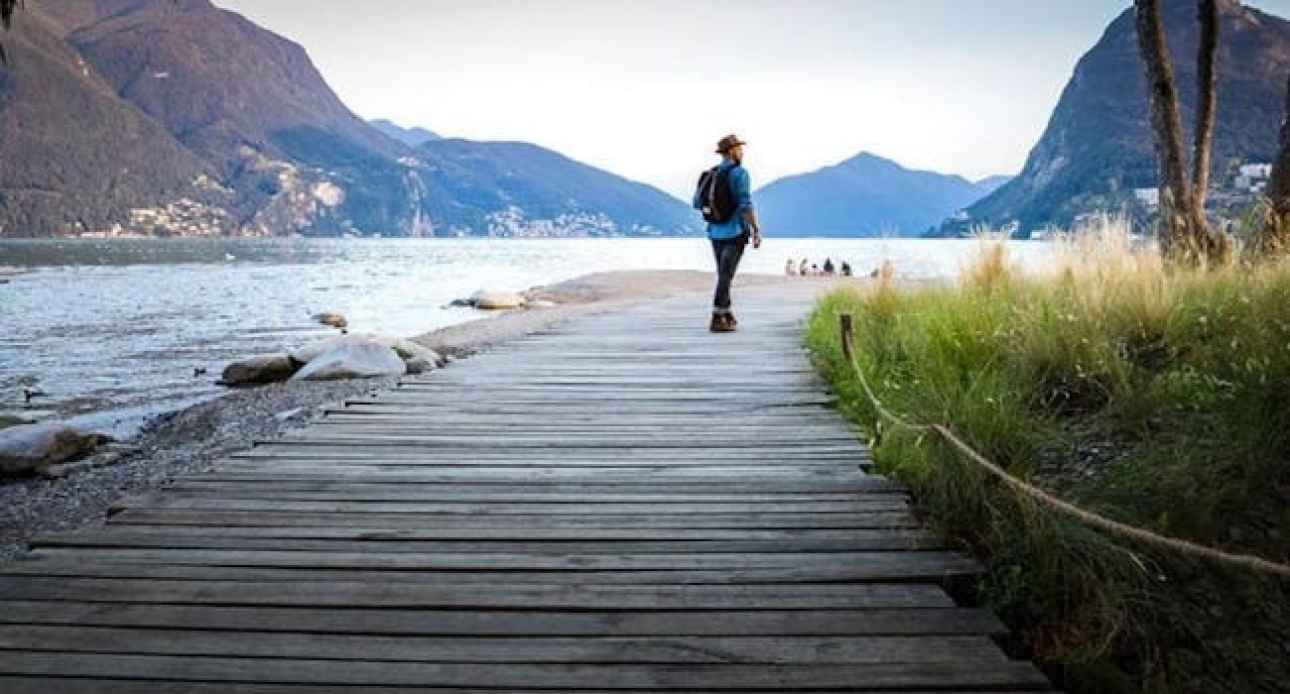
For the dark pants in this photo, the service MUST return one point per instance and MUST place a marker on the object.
(728, 252)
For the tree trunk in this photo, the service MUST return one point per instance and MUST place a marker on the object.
(1176, 205)
(1274, 237)
(6, 11)
(1207, 101)
(1212, 245)
(6, 16)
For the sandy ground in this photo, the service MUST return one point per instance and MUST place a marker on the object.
(193, 439)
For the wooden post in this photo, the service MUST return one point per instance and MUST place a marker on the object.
(848, 349)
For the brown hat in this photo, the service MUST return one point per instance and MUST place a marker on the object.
(728, 143)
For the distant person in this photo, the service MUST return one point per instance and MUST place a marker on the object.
(804, 269)
(884, 272)
(828, 267)
(846, 269)
(790, 268)
(724, 194)
(815, 270)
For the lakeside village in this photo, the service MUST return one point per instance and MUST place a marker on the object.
(189, 218)
(1231, 201)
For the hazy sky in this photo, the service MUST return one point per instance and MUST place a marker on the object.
(644, 88)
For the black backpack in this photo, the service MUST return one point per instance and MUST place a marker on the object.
(715, 200)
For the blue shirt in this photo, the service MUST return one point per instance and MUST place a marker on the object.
(741, 192)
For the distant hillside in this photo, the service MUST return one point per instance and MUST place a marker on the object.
(1098, 145)
(864, 196)
(412, 137)
(177, 118)
(517, 188)
(73, 156)
(251, 104)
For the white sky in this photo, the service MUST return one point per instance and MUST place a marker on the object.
(644, 88)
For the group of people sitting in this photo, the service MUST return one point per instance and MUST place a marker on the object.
(808, 269)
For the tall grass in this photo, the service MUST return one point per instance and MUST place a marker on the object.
(1153, 396)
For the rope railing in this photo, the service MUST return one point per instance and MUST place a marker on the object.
(1146, 537)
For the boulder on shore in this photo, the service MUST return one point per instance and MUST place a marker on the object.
(362, 360)
(406, 349)
(27, 447)
(497, 301)
(254, 371)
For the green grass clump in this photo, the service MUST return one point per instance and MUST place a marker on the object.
(1154, 396)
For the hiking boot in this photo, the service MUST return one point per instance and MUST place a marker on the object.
(734, 322)
(721, 324)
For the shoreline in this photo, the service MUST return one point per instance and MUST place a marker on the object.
(194, 438)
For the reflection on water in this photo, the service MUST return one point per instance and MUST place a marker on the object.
(119, 329)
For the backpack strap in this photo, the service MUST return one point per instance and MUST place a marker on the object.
(710, 195)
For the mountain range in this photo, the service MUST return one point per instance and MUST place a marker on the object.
(412, 137)
(865, 196)
(1098, 146)
(180, 118)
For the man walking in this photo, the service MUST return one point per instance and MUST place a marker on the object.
(725, 196)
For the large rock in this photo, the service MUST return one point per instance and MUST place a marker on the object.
(497, 301)
(27, 447)
(406, 349)
(266, 368)
(364, 360)
(410, 351)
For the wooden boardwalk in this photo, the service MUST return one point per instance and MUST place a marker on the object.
(623, 503)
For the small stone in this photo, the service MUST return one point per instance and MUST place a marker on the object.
(334, 320)
(288, 414)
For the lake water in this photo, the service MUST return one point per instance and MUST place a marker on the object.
(112, 331)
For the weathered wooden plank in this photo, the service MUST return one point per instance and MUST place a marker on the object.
(66, 685)
(644, 472)
(632, 650)
(884, 503)
(550, 596)
(36, 566)
(525, 533)
(876, 563)
(870, 540)
(525, 677)
(431, 494)
(508, 623)
(712, 450)
(720, 460)
(788, 444)
(528, 474)
(155, 516)
(644, 490)
(468, 424)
